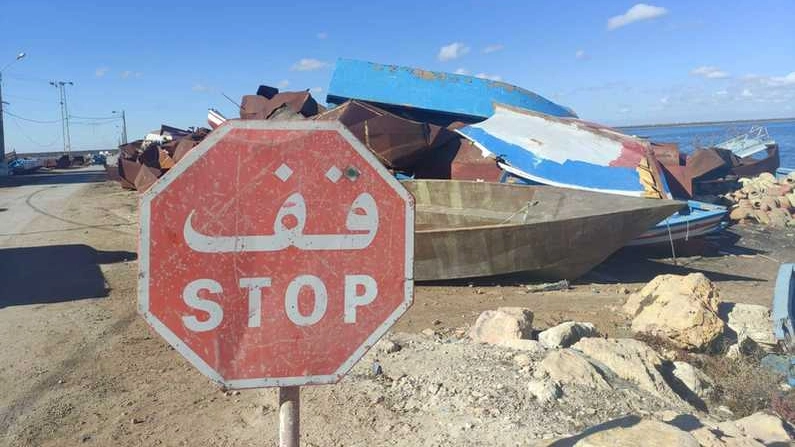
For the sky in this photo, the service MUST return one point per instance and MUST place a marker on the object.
(613, 62)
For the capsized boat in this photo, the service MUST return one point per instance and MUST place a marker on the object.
(568, 152)
(428, 96)
(468, 229)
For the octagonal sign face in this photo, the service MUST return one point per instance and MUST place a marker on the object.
(275, 254)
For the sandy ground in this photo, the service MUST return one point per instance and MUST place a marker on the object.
(78, 366)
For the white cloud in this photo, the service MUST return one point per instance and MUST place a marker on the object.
(462, 71)
(664, 100)
(782, 80)
(746, 93)
(639, 12)
(199, 87)
(308, 64)
(491, 77)
(316, 89)
(283, 83)
(721, 93)
(452, 51)
(322, 35)
(709, 72)
(493, 48)
(101, 71)
(581, 54)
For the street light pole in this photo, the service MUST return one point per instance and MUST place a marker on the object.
(3, 165)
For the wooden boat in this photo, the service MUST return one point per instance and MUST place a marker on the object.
(695, 220)
(427, 96)
(467, 229)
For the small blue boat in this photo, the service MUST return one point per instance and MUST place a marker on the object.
(436, 97)
(697, 219)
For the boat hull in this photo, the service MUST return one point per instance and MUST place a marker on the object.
(479, 229)
(428, 96)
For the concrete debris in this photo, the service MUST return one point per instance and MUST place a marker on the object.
(544, 390)
(765, 200)
(679, 309)
(566, 334)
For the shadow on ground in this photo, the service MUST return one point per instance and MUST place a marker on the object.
(61, 177)
(51, 274)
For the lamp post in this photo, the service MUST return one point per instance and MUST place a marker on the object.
(123, 126)
(3, 165)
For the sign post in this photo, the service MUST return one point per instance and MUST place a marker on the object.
(275, 254)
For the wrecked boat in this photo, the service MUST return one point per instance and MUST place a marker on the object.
(468, 229)
(568, 153)
(428, 96)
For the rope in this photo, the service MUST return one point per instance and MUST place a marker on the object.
(671, 238)
(525, 208)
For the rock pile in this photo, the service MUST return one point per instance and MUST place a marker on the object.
(764, 199)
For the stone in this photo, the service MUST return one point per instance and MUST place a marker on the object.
(428, 332)
(503, 324)
(631, 360)
(694, 379)
(679, 309)
(567, 367)
(528, 346)
(388, 346)
(765, 428)
(751, 320)
(566, 334)
(522, 360)
(544, 390)
(648, 433)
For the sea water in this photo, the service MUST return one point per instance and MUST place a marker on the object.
(690, 136)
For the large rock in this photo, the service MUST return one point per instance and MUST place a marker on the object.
(680, 309)
(648, 433)
(693, 379)
(632, 360)
(502, 325)
(570, 368)
(763, 427)
(566, 334)
(528, 346)
(750, 320)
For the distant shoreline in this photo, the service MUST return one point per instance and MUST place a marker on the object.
(708, 123)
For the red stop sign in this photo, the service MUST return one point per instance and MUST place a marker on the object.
(275, 254)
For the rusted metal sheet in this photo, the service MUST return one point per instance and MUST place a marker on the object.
(399, 143)
(333, 226)
(261, 107)
(146, 177)
(129, 170)
(751, 167)
(458, 159)
(710, 163)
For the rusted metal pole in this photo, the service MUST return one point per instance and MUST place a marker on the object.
(289, 416)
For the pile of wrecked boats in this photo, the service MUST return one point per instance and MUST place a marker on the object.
(505, 181)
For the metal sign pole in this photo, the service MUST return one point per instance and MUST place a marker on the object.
(289, 416)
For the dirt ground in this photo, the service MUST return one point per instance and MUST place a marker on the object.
(78, 366)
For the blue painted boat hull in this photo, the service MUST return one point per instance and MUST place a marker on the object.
(430, 96)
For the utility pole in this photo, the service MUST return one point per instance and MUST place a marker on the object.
(67, 140)
(123, 127)
(3, 165)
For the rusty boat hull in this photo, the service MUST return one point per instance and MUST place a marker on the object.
(467, 229)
